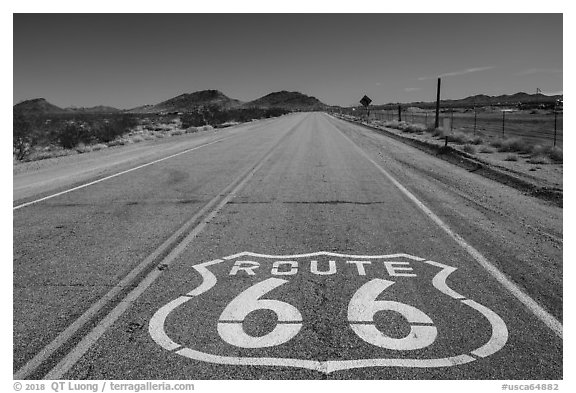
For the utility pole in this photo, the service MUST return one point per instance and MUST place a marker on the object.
(437, 122)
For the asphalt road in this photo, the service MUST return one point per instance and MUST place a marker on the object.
(300, 248)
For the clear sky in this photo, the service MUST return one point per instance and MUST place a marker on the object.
(130, 60)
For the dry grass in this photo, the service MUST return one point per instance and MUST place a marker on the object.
(539, 159)
(487, 149)
(82, 148)
(405, 126)
(119, 142)
(99, 146)
(514, 145)
(553, 153)
(511, 157)
(46, 154)
(470, 149)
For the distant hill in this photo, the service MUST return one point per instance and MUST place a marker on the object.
(290, 100)
(37, 106)
(485, 100)
(190, 101)
(94, 109)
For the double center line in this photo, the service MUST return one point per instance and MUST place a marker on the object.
(140, 278)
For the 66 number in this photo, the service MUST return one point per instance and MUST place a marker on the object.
(361, 310)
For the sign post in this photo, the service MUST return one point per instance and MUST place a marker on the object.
(365, 101)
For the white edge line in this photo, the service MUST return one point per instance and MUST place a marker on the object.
(114, 175)
(538, 311)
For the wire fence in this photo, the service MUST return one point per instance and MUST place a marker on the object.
(537, 126)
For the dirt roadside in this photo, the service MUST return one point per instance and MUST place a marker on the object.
(541, 181)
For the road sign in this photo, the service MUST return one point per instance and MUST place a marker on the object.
(326, 311)
(365, 101)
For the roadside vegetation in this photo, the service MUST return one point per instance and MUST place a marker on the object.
(42, 137)
(534, 153)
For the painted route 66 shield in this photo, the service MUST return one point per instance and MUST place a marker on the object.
(326, 311)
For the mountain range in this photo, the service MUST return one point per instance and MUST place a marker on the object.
(485, 100)
(185, 102)
(289, 100)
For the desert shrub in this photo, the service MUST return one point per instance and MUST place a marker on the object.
(395, 124)
(137, 138)
(117, 142)
(98, 146)
(515, 145)
(70, 135)
(22, 140)
(214, 115)
(45, 154)
(555, 153)
(438, 132)
(476, 140)
(552, 152)
(470, 149)
(190, 130)
(511, 157)
(82, 148)
(539, 159)
(207, 128)
(159, 135)
(486, 149)
(108, 130)
(459, 137)
(177, 132)
(415, 128)
(148, 137)
(497, 143)
(192, 119)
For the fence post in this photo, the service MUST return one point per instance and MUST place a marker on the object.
(503, 122)
(436, 122)
(474, 120)
(426, 119)
(399, 112)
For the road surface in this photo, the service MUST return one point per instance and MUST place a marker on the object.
(302, 247)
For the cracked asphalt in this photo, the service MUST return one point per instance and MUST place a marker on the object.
(310, 191)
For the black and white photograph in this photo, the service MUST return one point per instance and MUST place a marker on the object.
(357, 195)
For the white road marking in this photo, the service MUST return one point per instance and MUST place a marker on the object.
(84, 345)
(499, 331)
(497, 340)
(363, 306)
(321, 253)
(538, 311)
(230, 321)
(360, 266)
(276, 268)
(331, 268)
(115, 175)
